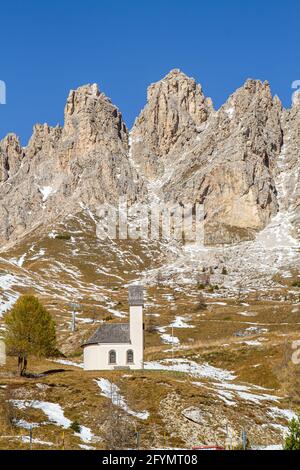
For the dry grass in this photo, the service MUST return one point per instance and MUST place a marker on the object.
(213, 339)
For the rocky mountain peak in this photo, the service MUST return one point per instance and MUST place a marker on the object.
(252, 96)
(11, 154)
(44, 137)
(85, 163)
(82, 99)
(175, 112)
(90, 117)
(180, 100)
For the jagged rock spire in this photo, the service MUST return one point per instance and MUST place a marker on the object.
(175, 112)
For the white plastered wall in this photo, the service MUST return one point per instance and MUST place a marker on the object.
(137, 335)
(96, 356)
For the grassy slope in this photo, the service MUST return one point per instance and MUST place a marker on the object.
(95, 275)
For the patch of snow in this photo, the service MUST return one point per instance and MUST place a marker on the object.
(217, 303)
(256, 330)
(192, 368)
(112, 391)
(52, 234)
(239, 387)
(227, 397)
(66, 362)
(6, 281)
(230, 112)
(255, 398)
(280, 427)
(252, 343)
(26, 439)
(85, 434)
(38, 255)
(46, 191)
(55, 414)
(85, 447)
(6, 305)
(230, 393)
(116, 313)
(89, 212)
(276, 412)
(269, 447)
(169, 339)
(180, 322)
(21, 423)
(19, 262)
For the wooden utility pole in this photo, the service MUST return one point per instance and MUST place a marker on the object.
(244, 439)
(30, 438)
(138, 440)
(172, 345)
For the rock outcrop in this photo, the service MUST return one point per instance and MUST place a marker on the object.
(11, 155)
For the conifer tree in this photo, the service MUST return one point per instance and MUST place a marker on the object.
(292, 441)
(30, 331)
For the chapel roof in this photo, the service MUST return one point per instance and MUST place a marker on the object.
(110, 333)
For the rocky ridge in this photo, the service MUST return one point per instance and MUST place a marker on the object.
(241, 161)
(64, 169)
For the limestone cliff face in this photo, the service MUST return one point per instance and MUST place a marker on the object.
(62, 169)
(224, 159)
(288, 167)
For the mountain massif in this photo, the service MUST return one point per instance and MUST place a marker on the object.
(241, 161)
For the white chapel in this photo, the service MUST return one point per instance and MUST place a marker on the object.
(118, 345)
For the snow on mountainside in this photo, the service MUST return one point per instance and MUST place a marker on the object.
(227, 350)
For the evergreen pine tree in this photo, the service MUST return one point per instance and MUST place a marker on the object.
(30, 330)
(292, 441)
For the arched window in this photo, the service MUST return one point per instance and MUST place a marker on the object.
(112, 357)
(130, 356)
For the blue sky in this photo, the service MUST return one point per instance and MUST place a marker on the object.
(49, 47)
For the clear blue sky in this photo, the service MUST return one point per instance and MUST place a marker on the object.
(49, 47)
